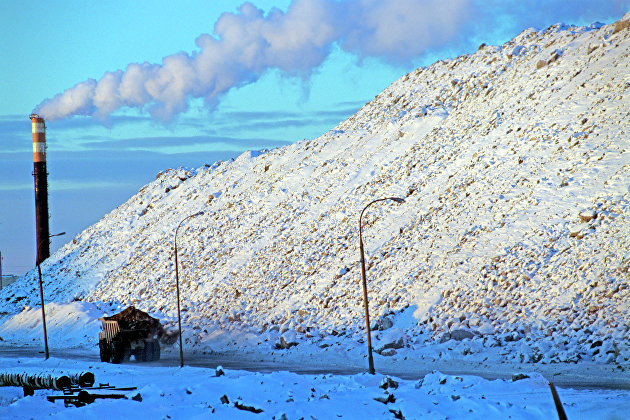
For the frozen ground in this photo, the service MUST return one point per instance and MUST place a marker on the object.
(512, 245)
(190, 392)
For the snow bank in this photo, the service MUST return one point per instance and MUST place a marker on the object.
(68, 325)
(197, 393)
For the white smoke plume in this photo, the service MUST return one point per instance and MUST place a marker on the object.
(247, 43)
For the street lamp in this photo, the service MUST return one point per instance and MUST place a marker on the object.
(41, 296)
(365, 296)
(179, 318)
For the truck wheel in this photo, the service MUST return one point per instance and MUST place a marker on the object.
(105, 350)
(147, 352)
(126, 352)
(156, 350)
(118, 352)
(141, 354)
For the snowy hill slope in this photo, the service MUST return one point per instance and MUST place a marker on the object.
(514, 163)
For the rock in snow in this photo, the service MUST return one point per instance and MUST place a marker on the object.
(495, 169)
(457, 335)
(394, 338)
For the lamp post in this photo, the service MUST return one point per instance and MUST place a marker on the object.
(179, 318)
(41, 297)
(365, 296)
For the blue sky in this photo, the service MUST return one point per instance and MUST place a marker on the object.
(264, 75)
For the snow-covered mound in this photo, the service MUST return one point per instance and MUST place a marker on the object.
(193, 393)
(514, 164)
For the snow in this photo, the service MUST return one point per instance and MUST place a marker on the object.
(191, 392)
(514, 233)
(71, 323)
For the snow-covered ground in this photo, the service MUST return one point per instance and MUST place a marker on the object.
(512, 245)
(190, 392)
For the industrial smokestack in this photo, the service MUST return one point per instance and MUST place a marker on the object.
(41, 188)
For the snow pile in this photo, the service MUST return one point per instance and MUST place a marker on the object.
(513, 238)
(197, 393)
(72, 324)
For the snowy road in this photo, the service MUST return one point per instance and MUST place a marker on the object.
(577, 376)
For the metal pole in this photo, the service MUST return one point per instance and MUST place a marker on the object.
(556, 399)
(0, 270)
(365, 304)
(41, 296)
(179, 317)
(364, 282)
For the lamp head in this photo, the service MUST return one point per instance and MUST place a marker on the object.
(398, 200)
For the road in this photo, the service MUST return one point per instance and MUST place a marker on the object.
(564, 375)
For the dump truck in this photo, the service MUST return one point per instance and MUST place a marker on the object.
(130, 333)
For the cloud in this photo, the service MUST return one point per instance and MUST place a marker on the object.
(540, 14)
(402, 29)
(182, 144)
(258, 121)
(247, 43)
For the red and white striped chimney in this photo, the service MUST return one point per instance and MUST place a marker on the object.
(41, 188)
